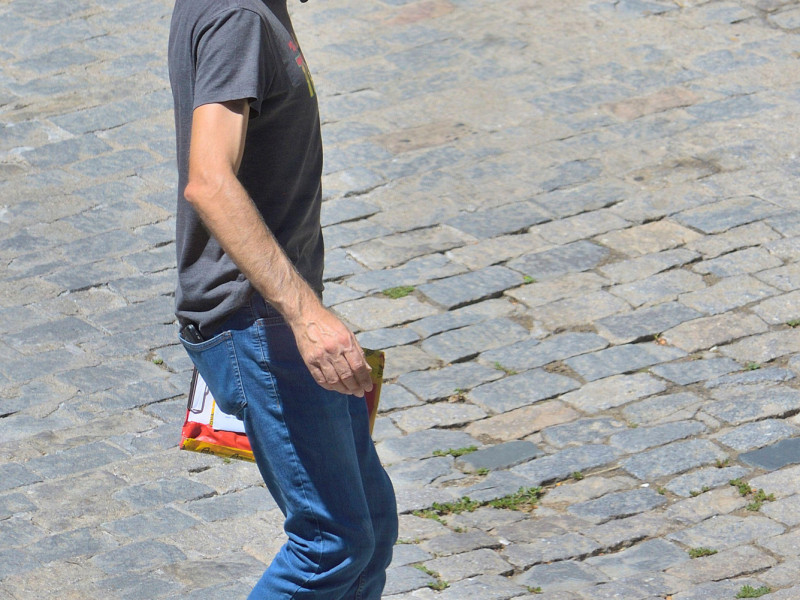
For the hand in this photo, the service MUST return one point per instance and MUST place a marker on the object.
(331, 352)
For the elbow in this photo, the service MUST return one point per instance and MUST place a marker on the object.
(201, 189)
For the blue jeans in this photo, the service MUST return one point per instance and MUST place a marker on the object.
(315, 453)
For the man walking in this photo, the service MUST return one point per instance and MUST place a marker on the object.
(250, 258)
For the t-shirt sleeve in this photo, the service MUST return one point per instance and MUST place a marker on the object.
(232, 58)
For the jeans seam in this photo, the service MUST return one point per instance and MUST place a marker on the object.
(360, 588)
(238, 374)
(295, 464)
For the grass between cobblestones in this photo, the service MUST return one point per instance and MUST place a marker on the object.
(525, 499)
(748, 591)
(455, 452)
(757, 497)
(400, 291)
(700, 552)
(439, 584)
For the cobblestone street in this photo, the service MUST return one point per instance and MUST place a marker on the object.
(572, 226)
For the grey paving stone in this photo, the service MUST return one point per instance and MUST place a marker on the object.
(456, 543)
(586, 197)
(420, 472)
(436, 384)
(563, 464)
(488, 518)
(704, 479)
(71, 544)
(642, 438)
(726, 531)
(138, 586)
(336, 293)
(53, 334)
(466, 342)
(471, 287)
(749, 260)
(550, 549)
(81, 458)
(729, 293)
(15, 503)
(673, 459)
(644, 266)
(407, 554)
(618, 505)
(659, 288)
(498, 484)
(413, 498)
(758, 434)
(379, 312)
(786, 510)
(469, 564)
(773, 457)
(705, 333)
(510, 218)
(14, 475)
(597, 396)
(716, 589)
(764, 347)
(501, 456)
(778, 309)
(532, 353)
(405, 359)
(484, 587)
(562, 290)
(347, 234)
(393, 396)
(567, 575)
(437, 414)
(416, 271)
(582, 431)
(624, 532)
(405, 579)
(461, 317)
(20, 531)
(654, 585)
(644, 323)
(649, 556)
(380, 339)
(341, 210)
(744, 211)
(423, 443)
(577, 256)
(158, 523)
(785, 278)
(240, 503)
(692, 371)
(137, 556)
(396, 249)
(66, 151)
(16, 561)
(648, 238)
(752, 403)
(520, 390)
(621, 359)
(338, 264)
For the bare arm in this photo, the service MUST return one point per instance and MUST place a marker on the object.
(328, 348)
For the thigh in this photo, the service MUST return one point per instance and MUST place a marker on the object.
(303, 433)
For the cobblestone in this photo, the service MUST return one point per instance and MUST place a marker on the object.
(603, 245)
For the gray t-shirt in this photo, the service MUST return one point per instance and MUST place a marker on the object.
(221, 50)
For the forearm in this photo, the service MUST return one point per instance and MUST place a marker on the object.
(231, 217)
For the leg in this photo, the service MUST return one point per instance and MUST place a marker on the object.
(302, 437)
(382, 507)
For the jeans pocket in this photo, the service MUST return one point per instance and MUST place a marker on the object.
(216, 361)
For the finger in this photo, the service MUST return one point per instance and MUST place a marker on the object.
(360, 369)
(347, 377)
